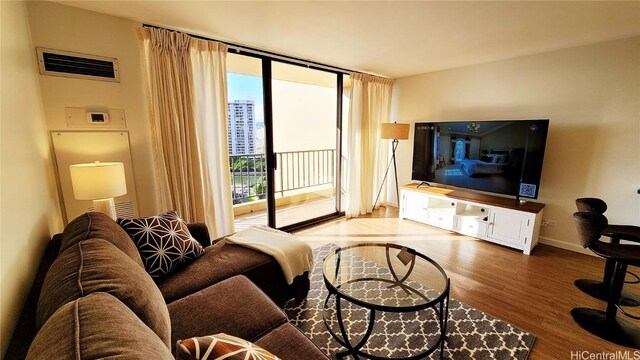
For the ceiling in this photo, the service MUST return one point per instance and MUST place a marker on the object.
(391, 38)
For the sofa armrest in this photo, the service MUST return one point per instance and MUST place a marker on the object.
(200, 232)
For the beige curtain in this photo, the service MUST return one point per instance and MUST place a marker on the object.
(370, 106)
(188, 125)
(209, 67)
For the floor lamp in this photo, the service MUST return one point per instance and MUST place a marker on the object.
(395, 132)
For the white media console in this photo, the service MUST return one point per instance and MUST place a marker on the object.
(492, 218)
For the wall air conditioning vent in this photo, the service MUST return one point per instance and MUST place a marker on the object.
(75, 65)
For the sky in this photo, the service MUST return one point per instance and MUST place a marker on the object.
(241, 87)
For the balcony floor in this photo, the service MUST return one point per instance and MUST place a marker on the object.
(289, 214)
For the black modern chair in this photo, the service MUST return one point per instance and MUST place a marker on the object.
(606, 324)
(600, 289)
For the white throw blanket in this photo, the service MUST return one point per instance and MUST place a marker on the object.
(294, 255)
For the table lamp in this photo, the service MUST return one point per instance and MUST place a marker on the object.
(396, 132)
(100, 182)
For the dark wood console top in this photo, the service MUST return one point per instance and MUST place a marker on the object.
(528, 206)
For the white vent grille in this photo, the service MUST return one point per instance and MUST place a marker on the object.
(123, 210)
(75, 65)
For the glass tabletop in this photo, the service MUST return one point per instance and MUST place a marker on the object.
(385, 276)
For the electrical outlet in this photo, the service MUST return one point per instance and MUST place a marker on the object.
(548, 223)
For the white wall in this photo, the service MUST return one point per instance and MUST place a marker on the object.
(66, 28)
(591, 94)
(304, 116)
(29, 210)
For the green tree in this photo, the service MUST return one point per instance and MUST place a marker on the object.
(260, 189)
(244, 164)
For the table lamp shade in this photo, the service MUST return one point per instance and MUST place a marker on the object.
(99, 180)
(394, 131)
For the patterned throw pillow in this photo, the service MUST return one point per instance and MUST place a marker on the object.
(220, 346)
(164, 242)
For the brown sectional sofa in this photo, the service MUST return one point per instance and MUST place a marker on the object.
(97, 300)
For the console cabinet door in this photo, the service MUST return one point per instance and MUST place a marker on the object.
(414, 206)
(506, 226)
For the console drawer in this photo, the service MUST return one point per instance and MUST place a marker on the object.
(442, 218)
(471, 226)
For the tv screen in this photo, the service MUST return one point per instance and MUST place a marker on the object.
(501, 156)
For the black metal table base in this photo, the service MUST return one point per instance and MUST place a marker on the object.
(441, 309)
(596, 289)
(439, 303)
(615, 330)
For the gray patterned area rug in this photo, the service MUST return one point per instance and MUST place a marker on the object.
(471, 334)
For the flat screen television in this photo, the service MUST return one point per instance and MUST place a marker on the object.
(497, 156)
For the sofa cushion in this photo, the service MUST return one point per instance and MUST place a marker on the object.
(98, 225)
(288, 343)
(164, 242)
(220, 346)
(222, 262)
(234, 306)
(95, 265)
(95, 327)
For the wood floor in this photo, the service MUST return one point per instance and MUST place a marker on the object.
(534, 293)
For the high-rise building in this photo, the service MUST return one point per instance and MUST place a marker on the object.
(241, 130)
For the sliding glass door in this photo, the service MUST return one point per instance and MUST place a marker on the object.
(304, 142)
(284, 142)
(246, 139)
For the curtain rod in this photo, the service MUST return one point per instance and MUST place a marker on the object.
(264, 53)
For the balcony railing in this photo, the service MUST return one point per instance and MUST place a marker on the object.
(295, 170)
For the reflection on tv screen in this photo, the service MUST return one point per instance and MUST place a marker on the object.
(495, 156)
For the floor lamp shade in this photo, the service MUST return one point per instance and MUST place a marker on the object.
(394, 131)
(100, 182)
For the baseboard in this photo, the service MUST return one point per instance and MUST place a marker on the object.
(564, 245)
(392, 204)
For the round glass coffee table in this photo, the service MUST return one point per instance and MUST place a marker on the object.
(382, 278)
